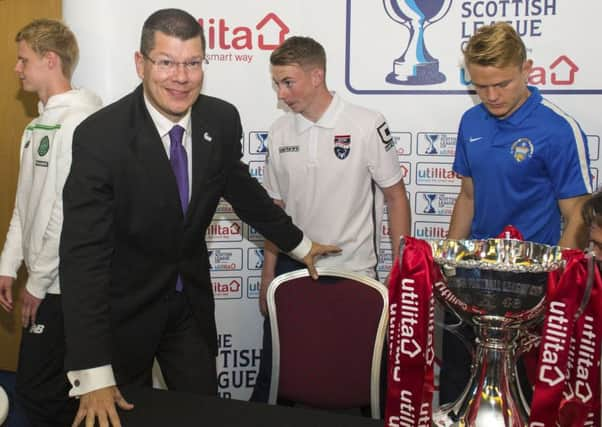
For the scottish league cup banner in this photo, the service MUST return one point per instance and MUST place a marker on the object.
(420, 43)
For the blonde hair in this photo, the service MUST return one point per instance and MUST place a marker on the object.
(495, 45)
(48, 35)
(303, 51)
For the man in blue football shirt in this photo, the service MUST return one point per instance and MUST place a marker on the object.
(523, 161)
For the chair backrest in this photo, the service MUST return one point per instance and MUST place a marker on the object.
(3, 405)
(327, 338)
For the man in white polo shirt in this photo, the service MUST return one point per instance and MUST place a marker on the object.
(331, 166)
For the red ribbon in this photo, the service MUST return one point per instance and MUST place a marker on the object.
(511, 232)
(411, 336)
(580, 405)
(567, 387)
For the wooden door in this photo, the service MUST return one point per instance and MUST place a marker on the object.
(17, 108)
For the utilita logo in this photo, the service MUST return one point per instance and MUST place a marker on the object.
(253, 286)
(256, 169)
(553, 343)
(227, 287)
(224, 231)
(267, 34)
(436, 174)
(562, 71)
(430, 230)
(409, 314)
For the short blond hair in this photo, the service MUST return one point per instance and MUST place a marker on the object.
(302, 51)
(496, 45)
(49, 35)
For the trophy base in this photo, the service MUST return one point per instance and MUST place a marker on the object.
(447, 416)
(492, 397)
(415, 74)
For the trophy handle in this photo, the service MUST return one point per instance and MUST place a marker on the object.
(528, 340)
(439, 14)
(454, 328)
(394, 16)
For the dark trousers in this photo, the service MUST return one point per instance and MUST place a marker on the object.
(261, 391)
(42, 387)
(185, 358)
(455, 362)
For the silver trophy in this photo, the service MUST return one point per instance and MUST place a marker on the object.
(498, 286)
(416, 66)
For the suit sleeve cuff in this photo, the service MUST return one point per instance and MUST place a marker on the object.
(87, 380)
(302, 249)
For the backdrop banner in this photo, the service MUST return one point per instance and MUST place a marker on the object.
(365, 42)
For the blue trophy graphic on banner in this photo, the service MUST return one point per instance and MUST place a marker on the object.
(430, 198)
(262, 138)
(431, 139)
(259, 260)
(416, 66)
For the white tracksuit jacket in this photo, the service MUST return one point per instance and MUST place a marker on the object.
(35, 228)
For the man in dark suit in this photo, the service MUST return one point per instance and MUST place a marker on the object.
(148, 172)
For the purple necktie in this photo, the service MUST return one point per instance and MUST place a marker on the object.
(179, 164)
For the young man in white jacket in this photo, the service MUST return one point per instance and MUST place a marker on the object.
(47, 55)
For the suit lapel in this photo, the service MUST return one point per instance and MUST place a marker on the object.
(149, 149)
(202, 146)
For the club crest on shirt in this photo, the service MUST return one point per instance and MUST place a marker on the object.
(44, 146)
(342, 146)
(522, 149)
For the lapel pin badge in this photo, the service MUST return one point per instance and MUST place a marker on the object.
(207, 137)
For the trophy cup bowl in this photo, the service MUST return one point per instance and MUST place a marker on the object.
(498, 286)
(416, 66)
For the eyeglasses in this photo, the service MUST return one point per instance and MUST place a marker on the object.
(165, 65)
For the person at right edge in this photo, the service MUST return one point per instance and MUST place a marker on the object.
(523, 162)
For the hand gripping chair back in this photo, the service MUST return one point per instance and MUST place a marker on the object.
(327, 339)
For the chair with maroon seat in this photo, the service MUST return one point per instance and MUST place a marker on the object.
(327, 339)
